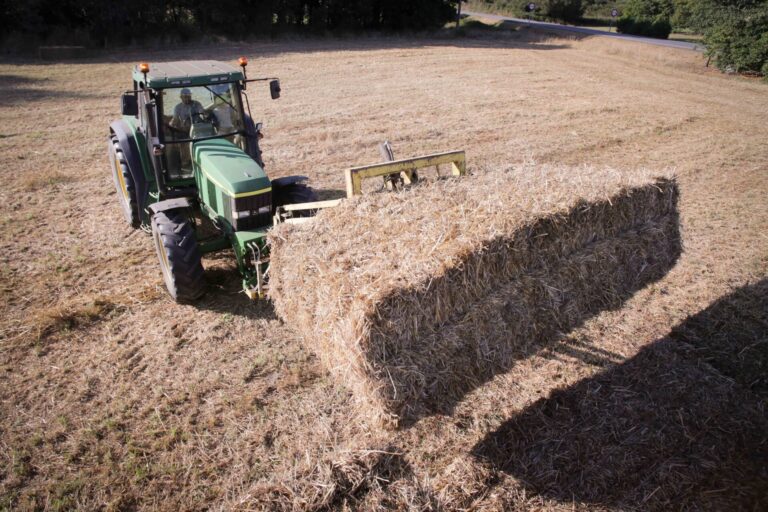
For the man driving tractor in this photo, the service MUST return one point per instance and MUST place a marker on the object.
(181, 123)
(183, 112)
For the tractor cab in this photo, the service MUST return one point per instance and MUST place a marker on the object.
(180, 103)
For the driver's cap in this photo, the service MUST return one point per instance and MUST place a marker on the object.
(186, 92)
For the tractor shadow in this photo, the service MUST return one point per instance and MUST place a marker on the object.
(681, 425)
(225, 291)
(328, 194)
(368, 479)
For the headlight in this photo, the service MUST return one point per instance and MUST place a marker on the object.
(248, 213)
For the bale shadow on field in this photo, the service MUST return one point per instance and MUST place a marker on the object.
(602, 276)
(682, 425)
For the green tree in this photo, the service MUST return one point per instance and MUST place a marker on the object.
(735, 33)
(683, 15)
(650, 18)
(649, 9)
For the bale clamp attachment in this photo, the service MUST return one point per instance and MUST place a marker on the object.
(396, 173)
(291, 213)
(402, 171)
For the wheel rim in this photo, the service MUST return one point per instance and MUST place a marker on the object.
(162, 255)
(165, 266)
(121, 178)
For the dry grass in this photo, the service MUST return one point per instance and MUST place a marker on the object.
(154, 406)
(431, 292)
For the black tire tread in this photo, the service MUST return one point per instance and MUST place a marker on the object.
(295, 193)
(185, 280)
(130, 207)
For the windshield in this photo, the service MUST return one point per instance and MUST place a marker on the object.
(194, 113)
(204, 111)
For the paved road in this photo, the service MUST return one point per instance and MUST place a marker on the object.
(581, 30)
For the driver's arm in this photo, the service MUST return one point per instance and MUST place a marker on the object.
(176, 120)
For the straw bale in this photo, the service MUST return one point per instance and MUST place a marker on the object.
(414, 298)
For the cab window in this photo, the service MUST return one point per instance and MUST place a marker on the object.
(197, 112)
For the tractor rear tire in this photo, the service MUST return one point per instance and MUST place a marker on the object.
(295, 193)
(179, 255)
(124, 185)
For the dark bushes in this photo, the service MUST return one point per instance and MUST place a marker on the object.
(649, 18)
(658, 28)
(97, 23)
(567, 10)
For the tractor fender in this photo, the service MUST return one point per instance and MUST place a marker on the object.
(170, 204)
(131, 151)
(287, 181)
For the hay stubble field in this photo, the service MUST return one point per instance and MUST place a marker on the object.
(112, 397)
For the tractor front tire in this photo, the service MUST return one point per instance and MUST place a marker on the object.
(295, 193)
(179, 255)
(124, 185)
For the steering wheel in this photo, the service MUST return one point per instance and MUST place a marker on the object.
(199, 117)
(176, 130)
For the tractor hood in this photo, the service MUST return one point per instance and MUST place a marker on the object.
(234, 172)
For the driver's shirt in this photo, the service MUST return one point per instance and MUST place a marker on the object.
(182, 114)
(223, 113)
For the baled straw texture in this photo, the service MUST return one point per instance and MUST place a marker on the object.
(414, 298)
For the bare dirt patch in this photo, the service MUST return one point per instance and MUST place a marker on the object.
(113, 397)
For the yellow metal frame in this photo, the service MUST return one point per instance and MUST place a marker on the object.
(356, 175)
(329, 203)
(283, 214)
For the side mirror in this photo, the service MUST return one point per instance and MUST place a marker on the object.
(130, 105)
(274, 89)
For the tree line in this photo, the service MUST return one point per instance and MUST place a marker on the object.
(106, 23)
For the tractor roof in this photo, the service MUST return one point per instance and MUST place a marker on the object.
(188, 72)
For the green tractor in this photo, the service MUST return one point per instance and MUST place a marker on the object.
(188, 169)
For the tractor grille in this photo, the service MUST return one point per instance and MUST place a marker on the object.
(252, 205)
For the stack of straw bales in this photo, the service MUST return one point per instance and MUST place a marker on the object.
(414, 298)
